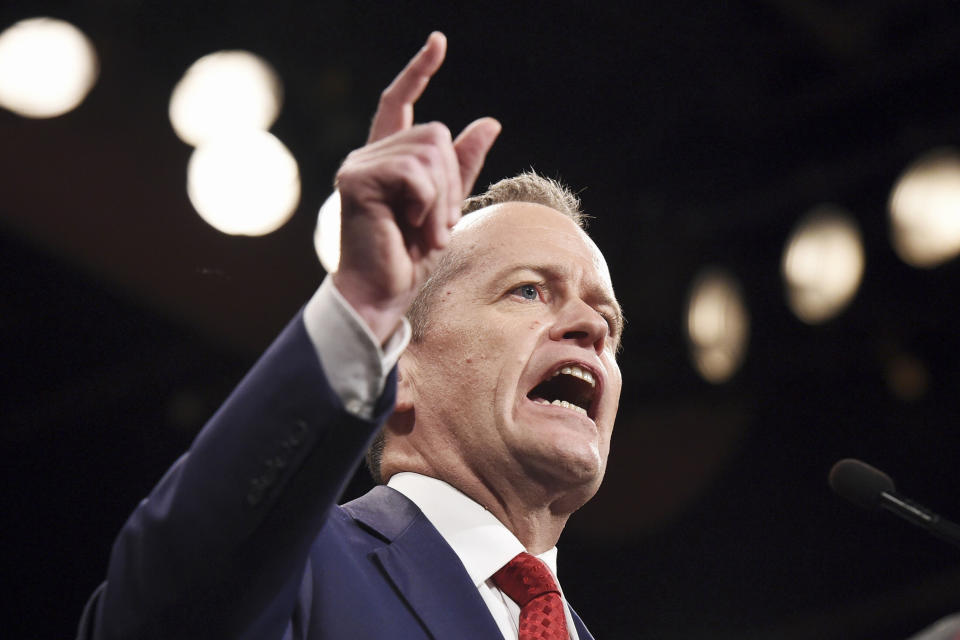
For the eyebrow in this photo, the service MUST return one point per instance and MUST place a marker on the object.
(596, 292)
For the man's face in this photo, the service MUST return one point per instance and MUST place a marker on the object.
(516, 377)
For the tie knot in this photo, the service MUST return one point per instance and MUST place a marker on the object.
(524, 578)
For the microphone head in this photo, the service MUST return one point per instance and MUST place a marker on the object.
(859, 483)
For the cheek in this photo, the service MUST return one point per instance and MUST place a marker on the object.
(485, 351)
(614, 375)
(617, 389)
(460, 359)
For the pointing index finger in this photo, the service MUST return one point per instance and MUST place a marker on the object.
(395, 111)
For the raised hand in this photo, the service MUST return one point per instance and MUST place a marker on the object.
(400, 195)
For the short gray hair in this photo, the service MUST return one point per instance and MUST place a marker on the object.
(530, 186)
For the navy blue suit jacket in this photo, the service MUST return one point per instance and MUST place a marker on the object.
(242, 537)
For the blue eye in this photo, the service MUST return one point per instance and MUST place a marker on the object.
(528, 291)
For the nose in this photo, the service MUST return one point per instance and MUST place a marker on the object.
(581, 323)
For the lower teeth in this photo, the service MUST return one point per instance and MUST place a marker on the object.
(564, 404)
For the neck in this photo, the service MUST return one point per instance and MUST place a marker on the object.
(533, 501)
(537, 523)
(536, 516)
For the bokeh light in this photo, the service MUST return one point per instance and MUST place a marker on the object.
(925, 210)
(907, 376)
(718, 325)
(822, 264)
(47, 67)
(223, 93)
(244, 184)
(326, 237)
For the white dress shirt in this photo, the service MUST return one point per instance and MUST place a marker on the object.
(352, 359)
(482, 543)
(357, 368)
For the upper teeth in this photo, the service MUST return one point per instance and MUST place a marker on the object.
(574, 370)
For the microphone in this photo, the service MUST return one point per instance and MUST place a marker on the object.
(872, 489)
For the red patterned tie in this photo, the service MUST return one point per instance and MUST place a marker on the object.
(530, 584)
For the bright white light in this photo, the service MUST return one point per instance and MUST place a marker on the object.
(822, 264)
(223, 93)
(925, 210)
(245, 184)
(326, 237)
(718, 325)
(47, 67)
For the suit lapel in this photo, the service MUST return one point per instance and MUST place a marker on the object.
(581, 628)
(424, 569)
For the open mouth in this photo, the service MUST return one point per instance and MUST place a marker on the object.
(569, 386)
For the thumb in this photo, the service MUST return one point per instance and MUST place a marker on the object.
(472, 146)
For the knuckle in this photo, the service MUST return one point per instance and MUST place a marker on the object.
(431, 155)
(407, 165)
(438, 132)
(387, 95)
(344, 173)
(344, 182)
(409, 170)
(421, 185)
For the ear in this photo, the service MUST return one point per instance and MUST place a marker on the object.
(404, 388)
(402, 417)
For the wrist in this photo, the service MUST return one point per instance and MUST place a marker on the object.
(382, 316)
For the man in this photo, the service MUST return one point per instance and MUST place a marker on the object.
(498, 421)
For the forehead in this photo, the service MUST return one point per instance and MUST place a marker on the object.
(518, 232)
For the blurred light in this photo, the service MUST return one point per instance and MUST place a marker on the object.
(907, 377)
(925, 210)
(326, 237)
(718, 325)
(222, 93)
(822, 264)
(246, 184)
(47, 67)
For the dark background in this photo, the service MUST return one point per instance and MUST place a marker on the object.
(700, 132)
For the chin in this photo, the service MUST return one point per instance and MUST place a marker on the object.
(570, 470)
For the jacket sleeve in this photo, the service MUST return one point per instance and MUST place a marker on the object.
(218, 548)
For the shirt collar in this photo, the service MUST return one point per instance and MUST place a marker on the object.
(482, 542)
